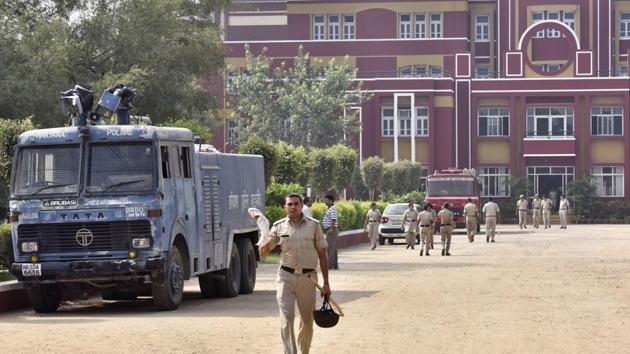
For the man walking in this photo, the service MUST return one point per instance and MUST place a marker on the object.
(521, 211)
(446, 228)
(471, 213)
(409, 225)
(306, 209)
(425, 223)
(372, 220)
(537, 210)
(331, 229)
(303, 245)
(491, 212)
(547, 204)
(564, 211)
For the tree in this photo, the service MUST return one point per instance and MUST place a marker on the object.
(194, 126)
(372, 171)
(323, 174)
(582, 192)
(293, 164)
(302, 104)
(345, 158)
(257, 146)
(163, 48)
(9, 132)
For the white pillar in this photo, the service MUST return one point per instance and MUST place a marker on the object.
(396, 127)
(413, 127)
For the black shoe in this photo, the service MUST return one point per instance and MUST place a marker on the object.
(431, 246)
(487, 238)
(412, 248)
(443, 251)
(407, 247)
(428, 253)
(448, 254)
(421, 252)
(525, 226)
(373, 247)
(492, 241)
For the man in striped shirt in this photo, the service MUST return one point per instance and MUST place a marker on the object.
(331, 230)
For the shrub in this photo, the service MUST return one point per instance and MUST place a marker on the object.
(361, 209)
(6, 250)
(415, 197)
(345, 159)
(274, 213)
(275, 193)
(372, 171)
(322, 176)
(318, 210)
(292, 164)
(10, 129)
(347, 215)
(257, 146)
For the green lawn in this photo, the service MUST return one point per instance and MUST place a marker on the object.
(5, 276)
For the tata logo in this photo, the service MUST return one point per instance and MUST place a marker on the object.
(84, 237)
(57, 203)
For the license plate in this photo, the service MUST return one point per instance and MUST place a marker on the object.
(32, 270)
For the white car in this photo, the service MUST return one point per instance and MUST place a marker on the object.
(390, 227)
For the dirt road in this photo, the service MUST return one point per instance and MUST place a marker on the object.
(548, 291)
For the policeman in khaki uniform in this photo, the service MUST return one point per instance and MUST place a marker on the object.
(303, 245)
(446, 228)
(492, 213)
(372, 219)
(425, 223)
(547, 204)
(521, 211)
(409, 225)
(563, 210)
(471, 213)
(537, 208)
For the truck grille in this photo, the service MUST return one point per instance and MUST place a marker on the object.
(107, 236)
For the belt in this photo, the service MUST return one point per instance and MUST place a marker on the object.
(445, 224)
(522, 210)
(373, 220)
(296, 271)
(425, 225)
(563, 209)
(536, 208)
(491, 216)
(411, 220)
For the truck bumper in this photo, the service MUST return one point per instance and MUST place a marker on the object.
(93, 270)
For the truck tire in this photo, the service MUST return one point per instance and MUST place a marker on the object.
(381, 240)
(230, 282)
(44, 298)
(168, 295)
(248, 265)
(208, 285)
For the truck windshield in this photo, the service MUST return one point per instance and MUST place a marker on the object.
(45, 170)
(121, 168)
(449, 186)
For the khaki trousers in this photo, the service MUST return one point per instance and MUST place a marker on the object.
(446, 232)
(426, 233)
(563, 217)
(537, 215)
(331, 238)
(522, 218)
(491, 227)
(547, 218)
(471, 228)
(292, 289)
(373, 233)
(410, 238)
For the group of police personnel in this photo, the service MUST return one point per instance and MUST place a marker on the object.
(426, 221)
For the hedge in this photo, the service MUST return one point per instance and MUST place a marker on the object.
(276, 192)
(6, 251)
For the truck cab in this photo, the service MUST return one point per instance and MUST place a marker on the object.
(453, 186)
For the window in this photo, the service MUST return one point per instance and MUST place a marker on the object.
(494, 122)
(404, 122)
(420, 71)
(481, 28)
(422, 121)
(333, 26)
(166, 173)
(176, 166)
(495, 181)
(550, 122)
(348, 27)
(387, 119)
(607, 121)
(405, 26)
(186, 162)
(551, 68)
(624, 25)
(537, 17)
(421, 26)
(623, 70)
(481, 72)
(608, 181)
(318, 27)
(44, 170)
(569, 19)
(436, 71)
(553, 33)
(405, 72)
(232, 132)
(436, 25)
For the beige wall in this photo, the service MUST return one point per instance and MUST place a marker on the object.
(493, 152)
(404, 150)
(607, 151)
(493, 101)
(444, 102)
(412, 6)
(407, 60)
(607, 100)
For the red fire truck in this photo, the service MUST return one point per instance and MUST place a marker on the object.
(453, 186)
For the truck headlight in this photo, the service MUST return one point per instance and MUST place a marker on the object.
(144, 242)
(29, 247)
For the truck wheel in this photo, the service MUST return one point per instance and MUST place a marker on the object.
(230, 283)
(168, 295)
(208, 285)
(44, 297)
(381, 240)
(248, 265)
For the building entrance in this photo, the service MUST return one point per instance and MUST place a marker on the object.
(549, 181)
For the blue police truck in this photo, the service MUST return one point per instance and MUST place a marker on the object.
(131, 210)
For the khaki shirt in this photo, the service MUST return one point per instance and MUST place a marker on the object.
(373, 215)
(522, 205)
(299, 243)
(537, 203)
(547, 204)
(425, 217)
(409, 220)
(446, 216)
(491, 209)
(470, 210)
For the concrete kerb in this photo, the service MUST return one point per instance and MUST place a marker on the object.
(13, 294)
